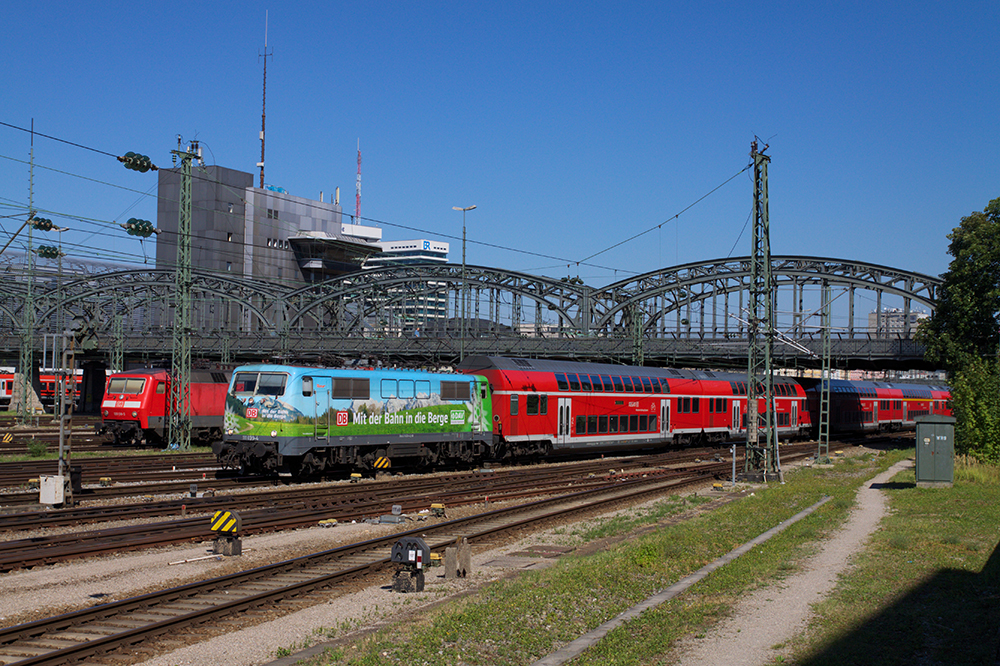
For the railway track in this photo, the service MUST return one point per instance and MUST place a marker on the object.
(288, 509)
(99, 631)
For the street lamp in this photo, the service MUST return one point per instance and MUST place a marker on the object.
(461, 353)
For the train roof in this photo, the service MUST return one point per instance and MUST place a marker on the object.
(347, 372)
(481, 363)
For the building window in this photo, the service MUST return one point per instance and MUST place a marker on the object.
(229, 237)
(229, 266)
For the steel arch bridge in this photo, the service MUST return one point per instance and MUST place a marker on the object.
(690, 314)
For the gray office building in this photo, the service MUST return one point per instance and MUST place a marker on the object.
(265, 232)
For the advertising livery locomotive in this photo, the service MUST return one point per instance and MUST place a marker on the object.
(303, 421)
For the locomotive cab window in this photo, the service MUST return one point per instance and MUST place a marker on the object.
(127, 385)
(161, 388)
(307, 386)
(260, 383)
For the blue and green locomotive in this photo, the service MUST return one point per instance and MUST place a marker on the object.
(305, 420)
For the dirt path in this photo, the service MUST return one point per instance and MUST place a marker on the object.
(774, 615)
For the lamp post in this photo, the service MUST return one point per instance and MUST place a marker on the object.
(461, 352)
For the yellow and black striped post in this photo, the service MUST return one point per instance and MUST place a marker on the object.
(227, 526)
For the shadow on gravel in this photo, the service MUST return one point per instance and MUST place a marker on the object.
(953, 618)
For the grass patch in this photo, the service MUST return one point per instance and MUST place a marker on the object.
(926, 588)
(520, 620)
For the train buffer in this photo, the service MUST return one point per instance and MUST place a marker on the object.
(227, 526)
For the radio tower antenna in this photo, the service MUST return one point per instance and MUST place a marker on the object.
(357, 202)
(263, 109)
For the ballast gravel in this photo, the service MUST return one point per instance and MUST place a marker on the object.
(767, 618)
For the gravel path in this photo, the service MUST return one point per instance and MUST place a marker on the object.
(774, 615)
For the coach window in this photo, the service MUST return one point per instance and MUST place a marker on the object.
(513, 405)
(581, 425)
(628, 384)
(633, 423)
(584, 382)
(389, 388)
(608, 386)
(647, 385)
(561, 381)
(307, 386)
(574, 385)
(595, 380)
(619, 386)
(652, 422)
(694, 405)
(623, 424)
(612, 424)
(591, 425)
(602, 424)
(643, 423)
(406, 388)
(534, 404)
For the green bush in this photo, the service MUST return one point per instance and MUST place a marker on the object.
(37, 449)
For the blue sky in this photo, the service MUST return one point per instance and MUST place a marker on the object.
(571, 126)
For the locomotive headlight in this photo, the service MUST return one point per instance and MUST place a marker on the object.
(135, 414)
(274, 433)
(105, 413)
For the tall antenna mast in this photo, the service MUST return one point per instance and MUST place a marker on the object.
(357, 203)
(263, 110)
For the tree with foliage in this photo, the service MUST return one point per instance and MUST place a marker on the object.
(963, 336)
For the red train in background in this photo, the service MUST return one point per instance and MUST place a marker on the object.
(542, 407)
(134, 409)
(48, 387)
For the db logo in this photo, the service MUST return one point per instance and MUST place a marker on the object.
(251, 412)
(341, 418)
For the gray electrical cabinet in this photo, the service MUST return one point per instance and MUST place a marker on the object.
(935, 451)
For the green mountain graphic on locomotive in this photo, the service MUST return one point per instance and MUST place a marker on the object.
(370, 417)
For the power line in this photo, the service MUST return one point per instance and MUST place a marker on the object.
(277, 196)
(676, 215)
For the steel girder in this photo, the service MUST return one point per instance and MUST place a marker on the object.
(252, 316)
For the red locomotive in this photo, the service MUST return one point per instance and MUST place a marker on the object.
(134, 410)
